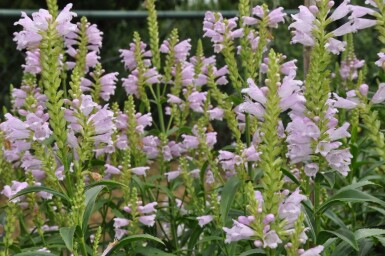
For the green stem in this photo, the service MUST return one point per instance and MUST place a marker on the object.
(159, 106)
(248, 143)
(317, 217)
(83, 246)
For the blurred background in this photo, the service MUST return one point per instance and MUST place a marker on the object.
(118, 32)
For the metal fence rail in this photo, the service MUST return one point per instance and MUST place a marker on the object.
(109, 14)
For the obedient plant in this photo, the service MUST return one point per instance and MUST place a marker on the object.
(229, 154)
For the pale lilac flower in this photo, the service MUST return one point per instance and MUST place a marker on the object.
(196, 100)
(316, 251)
(380, 62)
(211, 139)
(209, 177)
(110, 169)
(128, 56)
(32, 62)
(44, 249)
(379, 96)
(339, 133)
(14, 128)
(121, 222)
(259, 198)
(148, 208)
(360, 23)
(190, 142)
(349, 68)
(276, 16)
(204, 220)
(10, 191)
(301, 133)
(174, 99)
(335, 46)
(344, 29)
(148, 220)
(216, 114)
(238, 232)
(140, 170)
(254, 92)
(289, 67)
(30, 36)
(268, 218)
(339, 160)
(130, 84)
(271, 239)
(102, 122)
(290, 209)
(360, 11)
(246, 220)
(303, 25)
(364, 89)
(172, 175)
(181, 49)
(219, 31)
(143, 121)
(150, 146)
(341, 11)
(343, 103)
(253, 108)
(324, 147)
(108, 85)
(311, 169)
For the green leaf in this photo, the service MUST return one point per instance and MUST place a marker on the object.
(210, 238)
(227, 197)
(150, 251)
(108, 183)
(290, 176)
(381, 240)
(368, 232)
(309, 218)
(128, 240)
(91, 195)
(356, 185)
(346, 235)
(349, 195)
(253, 252)
(35, 253)
(33, 189)
(67, 234)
